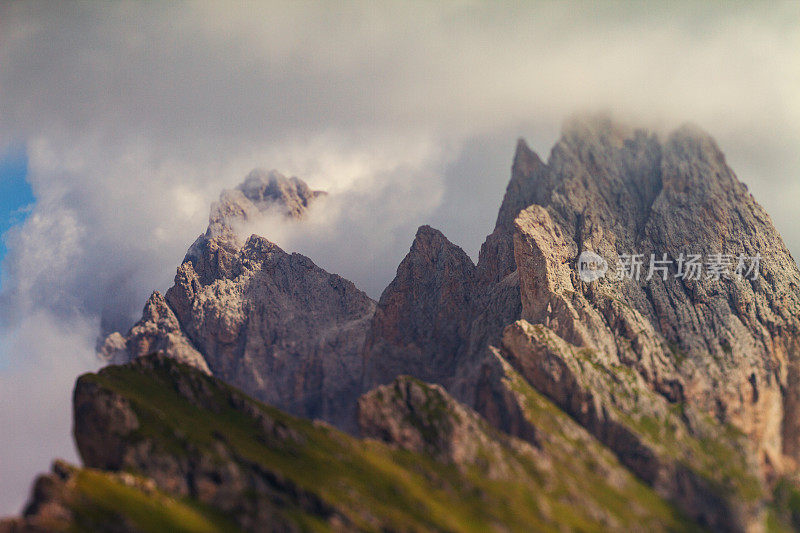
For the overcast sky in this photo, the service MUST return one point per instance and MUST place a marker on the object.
(133, 117)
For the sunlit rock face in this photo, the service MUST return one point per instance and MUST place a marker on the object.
(726, 346)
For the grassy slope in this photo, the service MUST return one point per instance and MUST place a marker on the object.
(717, 457)
(373, 485)
(100, 499)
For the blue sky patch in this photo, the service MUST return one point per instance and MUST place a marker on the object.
(15, 191)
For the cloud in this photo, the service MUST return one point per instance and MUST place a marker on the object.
(35, 392)
(136, 115)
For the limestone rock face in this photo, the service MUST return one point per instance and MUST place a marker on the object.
(708, 469)
(279, 327)
(273, 323)
(422, 320)
(726, 346)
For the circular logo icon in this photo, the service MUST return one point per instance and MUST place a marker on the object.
(591, 267)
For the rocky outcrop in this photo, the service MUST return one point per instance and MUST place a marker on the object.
(47, 509)
(157, 331)
(707, 468)
(613, 419)
(423, 418)
(70, 498)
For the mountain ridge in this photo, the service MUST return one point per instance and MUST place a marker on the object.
(692, 385)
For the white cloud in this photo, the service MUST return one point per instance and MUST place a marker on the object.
(135, 115)
(35, 393)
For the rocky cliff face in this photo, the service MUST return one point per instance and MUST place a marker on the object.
(271, 322)
(438, 316)
(280, 328)
(709, 469)
(726, 346)
(421, 324)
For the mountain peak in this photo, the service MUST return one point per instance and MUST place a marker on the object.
(431, 243)
(692, 142)
(526, 161)
(260, 192)
(272, 189)
(421, 318)
(258, 246)
(496, 259)
(588, 127)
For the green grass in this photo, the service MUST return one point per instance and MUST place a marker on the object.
(98, 499)
(784, 513)
(361, 478)
(583, 461)
(373, 486)
(715, 453)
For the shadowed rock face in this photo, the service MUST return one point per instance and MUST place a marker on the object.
(441, 312)
(279, 327)
(421, 323)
